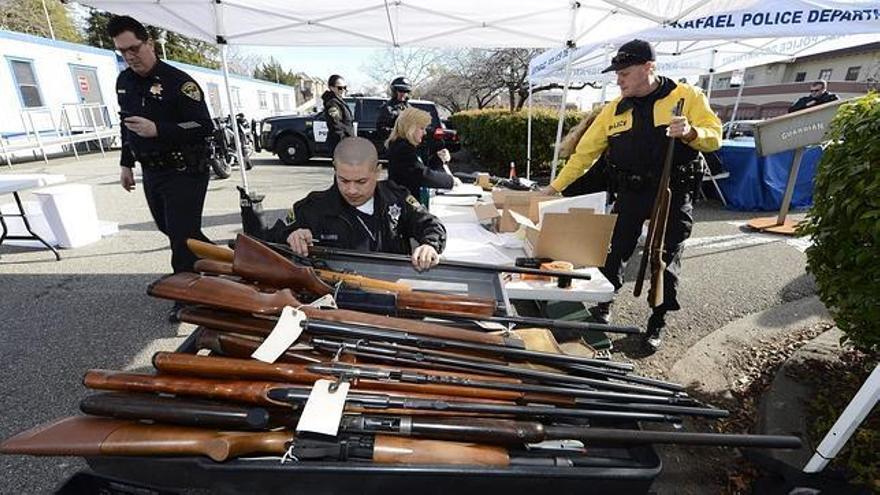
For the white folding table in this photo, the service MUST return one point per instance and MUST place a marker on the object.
(16, 183)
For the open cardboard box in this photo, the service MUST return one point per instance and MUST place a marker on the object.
(524, 203)
(566, 229)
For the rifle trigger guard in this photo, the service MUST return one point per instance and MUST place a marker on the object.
(289, 455)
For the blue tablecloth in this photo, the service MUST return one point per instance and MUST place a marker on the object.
(757, 183)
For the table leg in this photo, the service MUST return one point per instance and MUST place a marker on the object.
(27, 226)
(789, 188)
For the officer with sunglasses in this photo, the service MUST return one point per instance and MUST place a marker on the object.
(165, 123)
(818, 95)
(337, 115)
(633, 132)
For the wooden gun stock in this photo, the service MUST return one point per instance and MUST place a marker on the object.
(90, 436)
(240, 346)
(213, 267)
(254, 261)
(250, 392)
(210, 251)
(356, 281)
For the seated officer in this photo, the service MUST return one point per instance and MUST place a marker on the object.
(360, 212)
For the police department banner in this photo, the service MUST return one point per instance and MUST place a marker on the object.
(724, 26)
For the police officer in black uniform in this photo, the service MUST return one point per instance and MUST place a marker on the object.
(388, 112)
(360, 212)
(337, 115)
(633, 132)
(165, 123)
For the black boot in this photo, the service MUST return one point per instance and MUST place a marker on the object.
(656, 329)
(172, 313)
(601, 313)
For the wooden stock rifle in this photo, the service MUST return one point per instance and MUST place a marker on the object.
(496, 431)
(266, 393)
(656, 237)
(250, 369)
(89, 436)
(446, 340)
(233, 296)
(256, 262)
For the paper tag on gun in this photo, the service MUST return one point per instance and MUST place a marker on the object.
(285, 333)
(323, 411)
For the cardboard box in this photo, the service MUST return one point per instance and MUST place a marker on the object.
(525, 203)
(578, 235)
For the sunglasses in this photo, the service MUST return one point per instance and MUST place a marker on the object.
(131, 50)
(342, 88)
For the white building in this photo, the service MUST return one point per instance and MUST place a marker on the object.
(42, 81)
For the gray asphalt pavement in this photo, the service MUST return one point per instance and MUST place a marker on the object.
(90, 310)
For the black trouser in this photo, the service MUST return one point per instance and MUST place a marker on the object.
(632, 209)
(176, 199)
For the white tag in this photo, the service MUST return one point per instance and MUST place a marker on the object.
(285, 333)
(325, 301)
(323, 410)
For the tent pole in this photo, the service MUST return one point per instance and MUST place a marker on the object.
(529, 136)
(711, 77)
(232, 120)
(570, 46)
(605, 77)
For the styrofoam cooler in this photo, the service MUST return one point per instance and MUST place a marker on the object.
(70, 211)
(36, 219)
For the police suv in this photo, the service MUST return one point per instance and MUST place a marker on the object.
(296, 139)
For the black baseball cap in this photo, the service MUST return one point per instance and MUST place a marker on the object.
(633, 52)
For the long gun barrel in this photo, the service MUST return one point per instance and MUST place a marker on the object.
(508, 432)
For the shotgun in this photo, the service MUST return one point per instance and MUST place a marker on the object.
(398, 354)
(446, 342)
(233, 296)
(249, 369)
(242, 346)
(256, 262)
(89, 436)
(496, 431)
(326, 252)
(274, 394)
(654, 248)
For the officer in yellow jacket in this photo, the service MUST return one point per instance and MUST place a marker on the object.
(633, 131)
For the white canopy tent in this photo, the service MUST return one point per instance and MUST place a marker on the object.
(401, 23)
(722, 36)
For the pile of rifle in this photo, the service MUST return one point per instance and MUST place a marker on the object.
(420, 393)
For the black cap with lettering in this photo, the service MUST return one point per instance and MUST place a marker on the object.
(633, 52)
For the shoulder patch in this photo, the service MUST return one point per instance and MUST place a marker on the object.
(191, 90)
(413, 201)
(333, 112)
(291, 216)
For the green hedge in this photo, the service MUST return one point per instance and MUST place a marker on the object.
(497, 137)
(844, 223)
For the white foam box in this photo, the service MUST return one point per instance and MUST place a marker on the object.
(70, 211)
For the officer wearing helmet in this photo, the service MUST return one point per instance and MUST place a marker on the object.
(388, 112)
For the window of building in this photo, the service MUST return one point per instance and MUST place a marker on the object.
(276, 101)
(724, 82)
(825, 74)
(285, 99)
(852, 74)
(236, 97)
(800, 77)
(26, 81)
(261, 96)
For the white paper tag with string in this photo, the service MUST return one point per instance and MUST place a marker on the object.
(326, 301)
(323, 411)
(286, 332)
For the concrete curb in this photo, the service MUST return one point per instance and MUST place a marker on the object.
(704, 365)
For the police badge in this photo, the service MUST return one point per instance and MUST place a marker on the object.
(394, 213)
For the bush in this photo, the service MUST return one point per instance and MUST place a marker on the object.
(497, 137)
(844, 223)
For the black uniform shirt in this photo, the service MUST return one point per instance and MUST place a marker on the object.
(170, 98)
(388, 113)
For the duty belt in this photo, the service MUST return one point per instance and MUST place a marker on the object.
(171, 159)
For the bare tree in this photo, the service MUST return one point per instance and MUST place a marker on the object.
(416, 64)
(243, 62)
